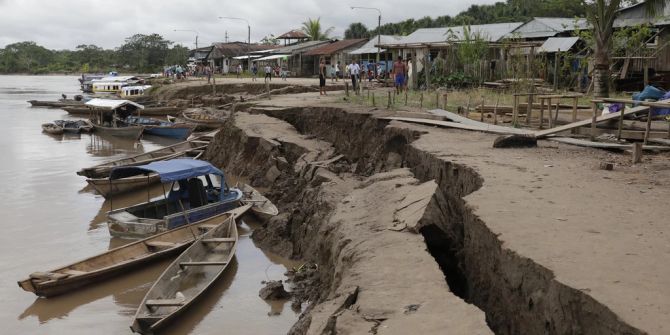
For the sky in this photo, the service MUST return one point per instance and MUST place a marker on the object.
(64, 24)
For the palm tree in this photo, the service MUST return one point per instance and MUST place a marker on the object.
(601, 15)
(313, 29)
(356, 30)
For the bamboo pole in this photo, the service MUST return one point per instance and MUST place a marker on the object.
(574, 113)
(648, 127)
(618, 135)
(495, 110)
(542, 112)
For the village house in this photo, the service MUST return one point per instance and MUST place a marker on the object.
(332, 52)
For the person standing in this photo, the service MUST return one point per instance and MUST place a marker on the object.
(355, 70)
(337, 71)
(399, 71)
(268, 73)
(322, 77)
(254, 72)
(208, 73)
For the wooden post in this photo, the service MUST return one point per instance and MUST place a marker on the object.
(618, 134)
(267, 89)
(388, 105)
(515, 109)
(637, 152)
(445, 100)
(646, 72)
(426, 70)
(467, 109)
(541, 112)
(373, 100)
(481, 111)
(405, 98)
(346, 88)
(574, 113)
(421, 100)
(556, 70)
(594, 116)
(558, 105)
(495, 110)
(415, 78)
(437, 99)
(551, 119)
(648, 127)
(529, 109)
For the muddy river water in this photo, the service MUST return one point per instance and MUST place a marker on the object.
(50, 218)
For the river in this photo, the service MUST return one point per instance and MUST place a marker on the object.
(50, 218)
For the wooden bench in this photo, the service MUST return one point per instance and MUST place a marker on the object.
(164, 302)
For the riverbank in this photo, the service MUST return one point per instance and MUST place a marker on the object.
(538, 240)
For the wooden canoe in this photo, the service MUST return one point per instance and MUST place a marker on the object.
(56, 104)
(107, 188)
(196, 145)
(52, 129)
(133, 132)
(200, 120)
(187, 278)
(117, 261)
(263, 208)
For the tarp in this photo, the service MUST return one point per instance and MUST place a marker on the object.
(111, 103)
(170, 170)
(245, 57)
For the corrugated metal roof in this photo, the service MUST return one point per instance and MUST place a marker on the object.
(234, 49)
(335, 47)
(554, 44)
(430, 36)
(637, 15)
(548, 27)
(293, 34)
(371, 46)
(111, 103)
(294, 48)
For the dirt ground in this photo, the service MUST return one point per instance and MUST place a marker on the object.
(602, 234)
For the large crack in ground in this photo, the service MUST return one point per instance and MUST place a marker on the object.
(517, 295)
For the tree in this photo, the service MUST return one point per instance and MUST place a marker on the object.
(601, 15)
(313, 29)
(356, 30)
(269, 40)
(145, 53)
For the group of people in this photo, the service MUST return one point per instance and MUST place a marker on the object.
(269, 70)
(400, 71)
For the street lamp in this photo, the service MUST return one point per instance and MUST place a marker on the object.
(379, 25)
(248, 35)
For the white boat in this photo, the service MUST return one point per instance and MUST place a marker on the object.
(263, 208)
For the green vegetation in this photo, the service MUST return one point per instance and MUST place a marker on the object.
(139, 53)
(356, 30)
(508, 11)
(314, 30)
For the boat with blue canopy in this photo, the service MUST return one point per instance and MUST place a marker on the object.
(197, 191)
(161, 128)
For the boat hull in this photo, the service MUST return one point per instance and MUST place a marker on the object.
(133, 132)
(52, 129)
(118, 186)
(148, 111)
(169, 152)
(262, 208)
(201, 265)
(123, 259)
(177, 131)
(123, 224)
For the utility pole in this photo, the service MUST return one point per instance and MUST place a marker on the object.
(379, 33)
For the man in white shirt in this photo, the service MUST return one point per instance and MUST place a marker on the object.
(355, 70)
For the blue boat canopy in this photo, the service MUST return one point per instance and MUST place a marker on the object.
(170, 170)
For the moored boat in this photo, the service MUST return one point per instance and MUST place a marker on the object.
(109, 116)
(106, 265)
(57, 104)
(52, 128)
(161, 128)
(194, 146)
(192, 196)
(107, 187)
(75, 126)
(200, 120)
(263, 208)
(147, 111)
(187, 278)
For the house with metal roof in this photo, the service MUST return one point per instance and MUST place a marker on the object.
(293, 36)
(226, 56)
(333, 52)
(541, 28)
(290, 57)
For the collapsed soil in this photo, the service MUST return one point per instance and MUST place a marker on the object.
(529, 240)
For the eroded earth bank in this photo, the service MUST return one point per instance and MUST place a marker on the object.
(407, 229)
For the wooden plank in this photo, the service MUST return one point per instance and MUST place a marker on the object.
(48, 275)
(219, 240)
(602, 145)
(487, 129)
(164, 302)
(602, 118)
(660, 141)
(183, 264)
(466, 121)
(73, 272)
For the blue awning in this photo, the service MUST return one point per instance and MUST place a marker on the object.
(170, 170)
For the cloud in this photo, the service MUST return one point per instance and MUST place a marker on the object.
(64, 24)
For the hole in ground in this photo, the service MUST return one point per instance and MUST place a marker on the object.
(439, 246)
